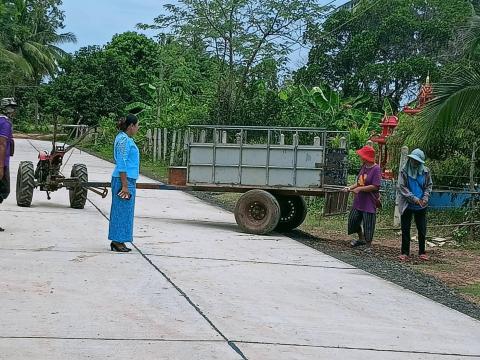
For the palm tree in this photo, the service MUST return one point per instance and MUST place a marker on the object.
(458, 100)
(32, 43)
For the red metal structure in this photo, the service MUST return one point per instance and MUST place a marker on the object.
(388, 124)
(426, 94)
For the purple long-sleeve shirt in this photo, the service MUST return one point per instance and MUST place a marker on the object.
(6, 131)
(366, 201)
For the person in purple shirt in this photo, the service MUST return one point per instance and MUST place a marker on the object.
(363, 215)
(7, 111)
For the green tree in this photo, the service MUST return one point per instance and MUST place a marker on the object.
(241, 34)
(325, 108)
(182, 91)
(457, 97)
(29, 36)
(170, 81)
(382, 47)
(97, 81)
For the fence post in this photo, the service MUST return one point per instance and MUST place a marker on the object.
(155, 144)
(295, 140)
(179, 142)
(203, 136)
(224, 137)
(403, 159)
(472, 167)
(472, 183)
(165, 140)
(159, 143)
(172, 152)
(282, 139)
(148, 143)
(185, 147)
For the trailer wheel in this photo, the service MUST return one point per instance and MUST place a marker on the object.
(257, 212)
(25, 183)
(78, 194)
(293, 211)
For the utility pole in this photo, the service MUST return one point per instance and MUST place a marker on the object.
(403, 160)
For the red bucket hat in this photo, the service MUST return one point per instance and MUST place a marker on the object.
(367, 153)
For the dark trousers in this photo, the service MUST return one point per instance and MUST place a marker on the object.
(421, 223)
(355, 221)
(5, 185)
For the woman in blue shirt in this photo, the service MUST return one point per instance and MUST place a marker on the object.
(415, 188)
(124, 178)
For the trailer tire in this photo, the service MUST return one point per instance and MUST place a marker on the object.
(257, 212)
(78, 194)
(25, 183)
(293, 211)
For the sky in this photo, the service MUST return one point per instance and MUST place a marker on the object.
(94, 22)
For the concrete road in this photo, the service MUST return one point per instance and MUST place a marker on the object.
(196, 288)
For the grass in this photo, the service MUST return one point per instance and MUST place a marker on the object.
(472, 290)
(437, 267)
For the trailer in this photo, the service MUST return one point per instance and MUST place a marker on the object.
(273, 168)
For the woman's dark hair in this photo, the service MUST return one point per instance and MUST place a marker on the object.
(125, 122)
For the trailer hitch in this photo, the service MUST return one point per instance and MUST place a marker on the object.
(101, 188)
(97, 188)
(103, 192)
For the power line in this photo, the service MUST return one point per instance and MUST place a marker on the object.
(345, 23)
(18, 86)
(352, 18)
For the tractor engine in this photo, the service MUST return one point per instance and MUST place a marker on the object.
(47, 173)
(43, 167)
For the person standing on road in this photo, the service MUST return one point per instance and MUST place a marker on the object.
(415, 187)
(8, 107)
(363, 215)
(124, 178)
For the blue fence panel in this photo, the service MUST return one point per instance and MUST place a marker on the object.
(439, 200)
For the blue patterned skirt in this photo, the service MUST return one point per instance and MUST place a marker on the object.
(122, 212)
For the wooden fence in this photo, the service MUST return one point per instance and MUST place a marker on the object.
(169, 146)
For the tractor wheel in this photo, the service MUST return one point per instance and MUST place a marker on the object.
(293, 211)
(78, 194)
(25, 183)
(257, 212)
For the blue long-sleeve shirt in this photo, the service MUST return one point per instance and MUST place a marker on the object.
(127, 156)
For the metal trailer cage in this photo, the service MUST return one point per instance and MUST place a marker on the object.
(255, 156)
